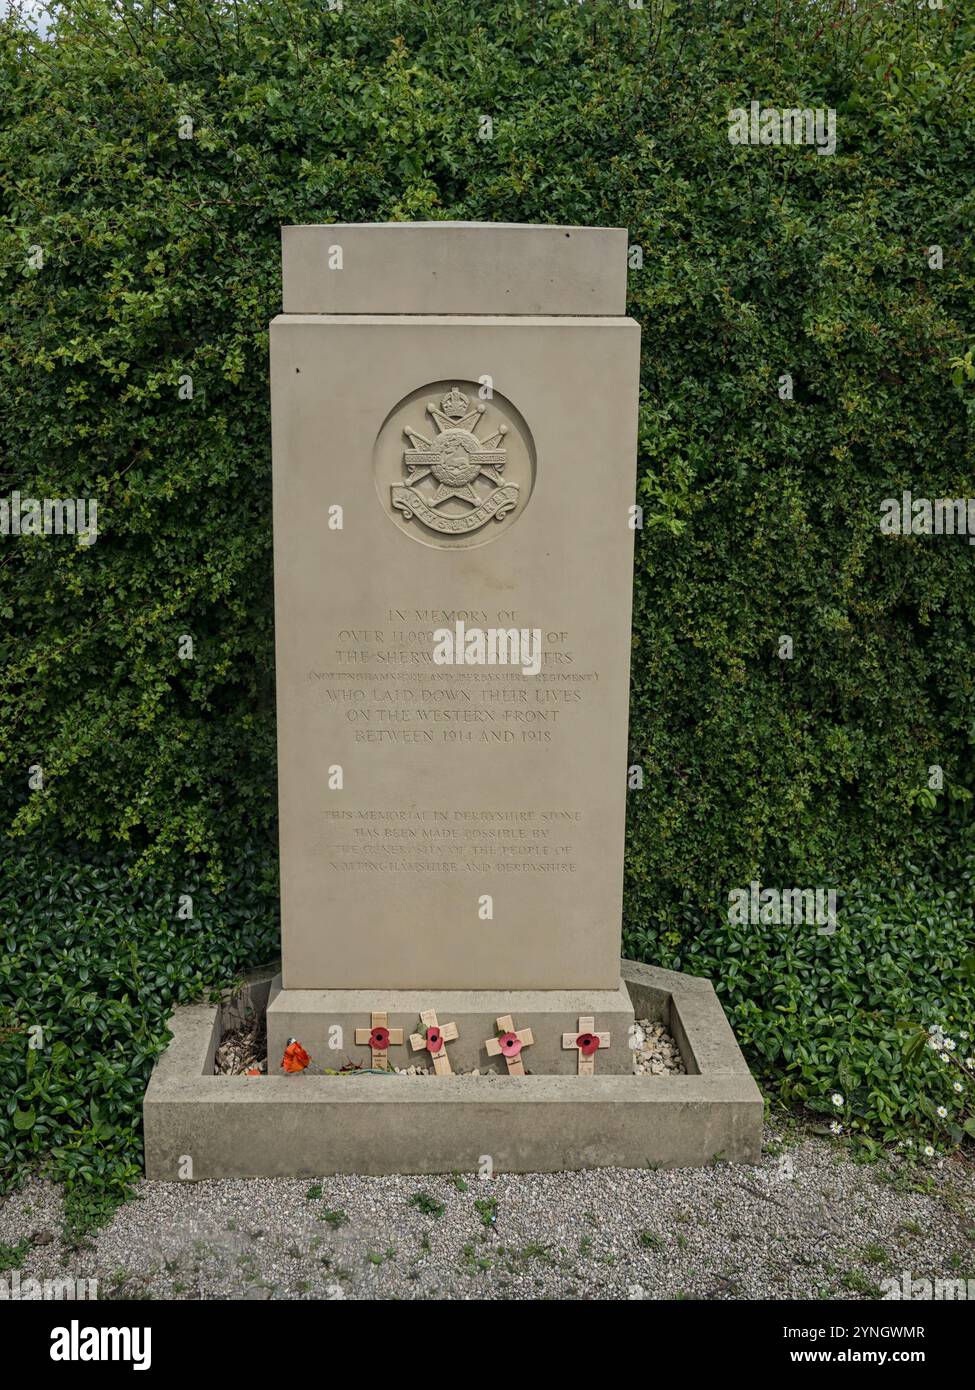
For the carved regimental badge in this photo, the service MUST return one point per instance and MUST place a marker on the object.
(454, 482)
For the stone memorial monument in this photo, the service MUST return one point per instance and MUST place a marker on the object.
(454, 418)
(454, 414)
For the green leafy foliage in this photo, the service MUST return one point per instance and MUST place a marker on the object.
(96, 963)
(820, 1013)
(427, 1204)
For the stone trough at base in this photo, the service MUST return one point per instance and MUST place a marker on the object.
(311, 1125)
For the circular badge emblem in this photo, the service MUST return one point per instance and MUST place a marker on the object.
(452, 469)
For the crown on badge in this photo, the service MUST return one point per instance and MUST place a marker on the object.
(455, 404)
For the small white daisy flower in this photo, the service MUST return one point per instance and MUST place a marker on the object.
(836, 1127)
(836, 1098)
(956, 1086)
(942, 1112)
(928, 1151)
(950, 1044)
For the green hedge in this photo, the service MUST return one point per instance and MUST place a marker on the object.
(97, 964)
(161, 259)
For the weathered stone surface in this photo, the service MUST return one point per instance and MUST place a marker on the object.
(267, 1126)
(454, 268)
(484, 468)
(311, 1014)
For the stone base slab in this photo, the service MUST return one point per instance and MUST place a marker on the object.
(198, 1125)
(325, 1023)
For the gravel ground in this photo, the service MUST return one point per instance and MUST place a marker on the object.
(805, 1223)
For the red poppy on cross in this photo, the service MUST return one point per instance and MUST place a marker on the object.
(434, 1038)
(588, 1042)
(380, 1038)
(508, 1044)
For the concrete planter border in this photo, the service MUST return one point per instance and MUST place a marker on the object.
(204, 1126)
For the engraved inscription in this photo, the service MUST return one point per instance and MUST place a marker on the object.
(448, 841)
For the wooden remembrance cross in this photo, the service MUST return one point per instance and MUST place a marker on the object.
(509, 1044)
(588, 1042)
(433, 1038)
(380, 1038)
